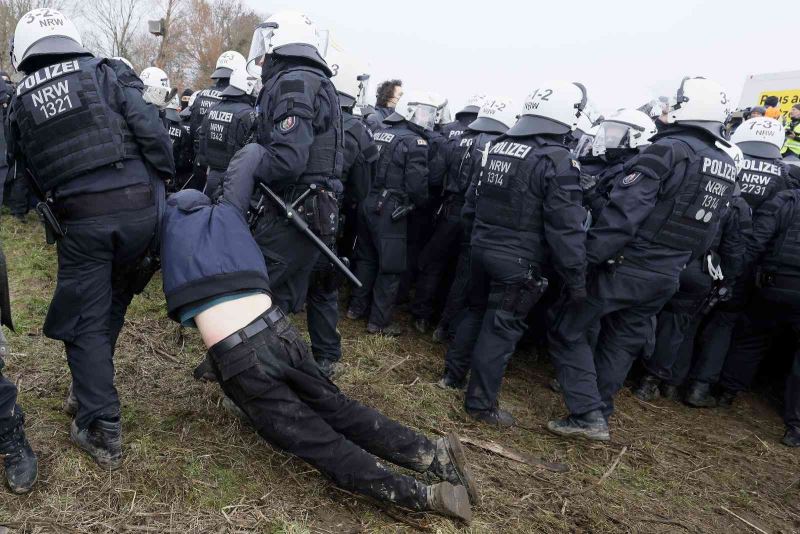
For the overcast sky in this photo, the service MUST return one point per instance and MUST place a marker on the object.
(625, 51)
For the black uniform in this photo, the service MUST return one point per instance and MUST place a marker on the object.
(659, 217)
(374, 120)
(401, 179)
(226, 127)
(458, 127)
(322, 306)
(205, 100)
(91, 141)
(182, 150)
(300, 124)
(527, 203)
(773, 252)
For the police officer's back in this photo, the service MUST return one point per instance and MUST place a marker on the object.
(764, 173)
(465, 116)
(80, 126)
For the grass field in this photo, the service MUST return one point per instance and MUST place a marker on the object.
(191, 467)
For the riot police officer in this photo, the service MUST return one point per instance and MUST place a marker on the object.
(442, 250)
(182, 151)
(226, 127)
(360, 157)
(99, 153)
(300, 123)
(399, 187)
(660, 216)
(465, 116)
(527, 203)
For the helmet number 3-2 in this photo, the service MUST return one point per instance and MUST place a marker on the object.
(37, 13)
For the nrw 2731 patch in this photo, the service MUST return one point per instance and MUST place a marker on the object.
(288, 124)
(631, 179)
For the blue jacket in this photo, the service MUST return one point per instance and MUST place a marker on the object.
(207, 250)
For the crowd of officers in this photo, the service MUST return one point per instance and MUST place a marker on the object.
(651, 234)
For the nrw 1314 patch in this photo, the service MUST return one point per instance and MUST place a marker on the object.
(631, 179)
(288, 124)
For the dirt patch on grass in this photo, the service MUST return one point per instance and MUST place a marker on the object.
(191, 467)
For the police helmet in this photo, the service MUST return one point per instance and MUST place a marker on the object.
(495, 116)
(554, 108)
(44, 32)
(226, 63)
(473, 104)
(157, 90)
(416, 107)
(627, 128)
(442, 109)
(286, 33)
(349, 77)
(760, 137)
(702, 103)
(241, 82)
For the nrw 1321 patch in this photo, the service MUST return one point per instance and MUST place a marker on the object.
(631, 179)
(288, 124)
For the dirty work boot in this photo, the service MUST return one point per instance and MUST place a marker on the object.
(449, 383)
(328, 367)
(21, 464)
(450, 501)
(647, 390)
(495, 417)
(699, 395)
(726, 398)
(354, 314)
(393, 330)
(70, 405)
(669, 391)
(591, 425)
(204, 372)
(422, 325)
(450, 465)
(102, 440)
(792, 437)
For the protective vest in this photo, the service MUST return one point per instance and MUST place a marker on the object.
(785, 255)
(326, 156)
(67, 127)
(392, 145)
(206, 99)
(220, 136)
(471, 163)
(454, 181)
(365, 146)
(688, 219)
(181, 141)
(761, 178)
(790, 144)
(507, 194)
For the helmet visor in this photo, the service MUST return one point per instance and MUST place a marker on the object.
(158, 96)
(259, 47)
(583, 147)
(424, 116)
(611, 135)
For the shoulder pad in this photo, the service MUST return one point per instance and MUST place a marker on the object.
(295, 91)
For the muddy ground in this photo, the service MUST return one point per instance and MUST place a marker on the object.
(191, 467)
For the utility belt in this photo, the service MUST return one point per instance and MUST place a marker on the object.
(318, 205)
(130, 198)
(404, 205)
(766, 280)
(269, 319)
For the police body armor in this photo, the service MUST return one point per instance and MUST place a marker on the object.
(784, 257)
(66, 126)
(390, 174)
(220, 129)
(473, 159)
(506, 195)
(326, 156)
(206, 99)
(454, 182)
(689, 219)
(761, 179)
(181, 141)
(366, 148)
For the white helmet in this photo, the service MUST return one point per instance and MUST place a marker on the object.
(588, 121)
(416, 107)
(497, 115)
(553, 108)
(44, 32)
(473, 105)
(442, 109)
(174, 103)
(241, 82)
(734, 152)
(227, 62)
(286, 33)
(156, 86)
(700, 100)
(761, 137)
(627, 128)
(350, 78)
(124, 60)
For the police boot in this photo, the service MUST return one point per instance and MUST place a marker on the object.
(393, 330)
(450, 465)
(422, 325)
(450, 383)
(449, 500)
(70, 405)
(698, 395)
(495, 417)
(591, 425)
(20, 461)
(647, 389)
(102, 440)
(354, 314)
(205, 371)
(669, 391)
(328, 367)
(440, 335)
(792, 437)
(726, 398)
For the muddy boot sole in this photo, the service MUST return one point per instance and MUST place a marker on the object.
(451, 501)
(456, 451)
(100, 456)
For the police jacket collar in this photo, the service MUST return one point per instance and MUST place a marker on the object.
(705, 130)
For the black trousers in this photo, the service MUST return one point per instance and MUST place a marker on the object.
(767, 312)
(455, 304)
(322, 311)
(501, 293)
(19, 196)
(623, 302)
(8, 397)
(274, 379)
(95, 267)
(381, 254)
